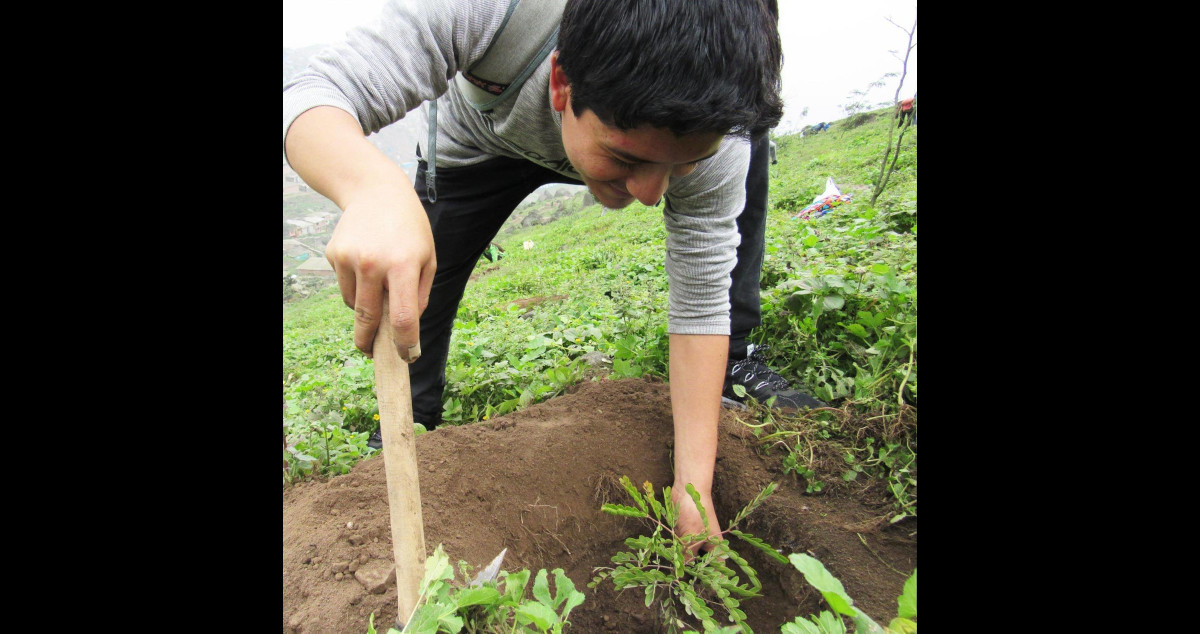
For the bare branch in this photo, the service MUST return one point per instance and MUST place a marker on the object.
(885, 170)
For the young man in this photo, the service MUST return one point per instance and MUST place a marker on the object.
(648, 100)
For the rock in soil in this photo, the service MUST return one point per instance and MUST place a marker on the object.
(376, 579)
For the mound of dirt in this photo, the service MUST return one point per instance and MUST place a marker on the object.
(533, 482)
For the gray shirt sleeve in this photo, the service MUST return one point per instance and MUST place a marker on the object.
(404, 57)
(702, 239)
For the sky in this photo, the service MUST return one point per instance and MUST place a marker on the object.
(829, 48)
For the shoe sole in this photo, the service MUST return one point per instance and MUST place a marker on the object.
(729, 403)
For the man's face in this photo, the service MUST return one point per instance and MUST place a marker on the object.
(620, 166)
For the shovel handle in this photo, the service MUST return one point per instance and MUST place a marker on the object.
(400, 463)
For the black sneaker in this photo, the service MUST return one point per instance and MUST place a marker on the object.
(762, 383)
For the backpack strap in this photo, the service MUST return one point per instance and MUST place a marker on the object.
(526, 36)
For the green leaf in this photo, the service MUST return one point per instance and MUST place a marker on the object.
(565, 593)
(451, 623)
(694, 605)
(908, 598)
(864, 625)
(830, 623)
(799, 626)
(834, 302)
(621, 509)
(478, 595)
(755, 584)
(796, 302)
(541, 588)
(758, 499)
(902, 626)
(425, 620)
(671, 508)
(633, 493)
(514, 584)
(659, 511)
(691, 491)
(437, 568)
(739, 390)
(563, 587)
(824, 581)
(761, 545)
(540, 615)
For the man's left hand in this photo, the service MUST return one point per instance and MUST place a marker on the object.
(690, 521)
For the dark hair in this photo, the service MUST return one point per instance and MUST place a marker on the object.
(684, 65)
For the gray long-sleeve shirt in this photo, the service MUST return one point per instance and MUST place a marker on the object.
(409, 55)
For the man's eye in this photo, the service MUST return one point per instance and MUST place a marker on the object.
(623, 164)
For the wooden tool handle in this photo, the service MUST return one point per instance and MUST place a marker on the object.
(400, 463)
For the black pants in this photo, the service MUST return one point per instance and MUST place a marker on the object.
(472, 204)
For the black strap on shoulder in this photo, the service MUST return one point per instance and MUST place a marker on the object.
(528, 33)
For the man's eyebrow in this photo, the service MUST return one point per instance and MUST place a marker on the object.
(625, 156)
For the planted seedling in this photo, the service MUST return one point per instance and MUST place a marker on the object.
(662, 565)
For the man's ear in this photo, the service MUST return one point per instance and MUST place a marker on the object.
(560, 87)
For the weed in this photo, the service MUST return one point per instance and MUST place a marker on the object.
(826, 442)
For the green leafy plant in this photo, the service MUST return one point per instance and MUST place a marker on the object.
(895, 462)
(318, 443)
(492, 606)
(835, 595)
(661, 564)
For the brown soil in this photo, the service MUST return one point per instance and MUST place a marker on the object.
(533, 482)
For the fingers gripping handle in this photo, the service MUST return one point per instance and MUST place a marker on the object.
(400, 464)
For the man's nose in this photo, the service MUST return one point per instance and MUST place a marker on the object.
(649, 183)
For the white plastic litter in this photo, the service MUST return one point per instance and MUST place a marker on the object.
(831, 189)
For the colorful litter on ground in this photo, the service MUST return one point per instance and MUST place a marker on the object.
(823, 204)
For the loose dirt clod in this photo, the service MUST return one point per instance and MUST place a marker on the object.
(376, 579)
(534, 485)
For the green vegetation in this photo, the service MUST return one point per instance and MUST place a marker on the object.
(660, 564)
(839, 305)
(835, 595)
(494, 606)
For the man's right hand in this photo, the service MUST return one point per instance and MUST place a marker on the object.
(381, 245)
(383, 240)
